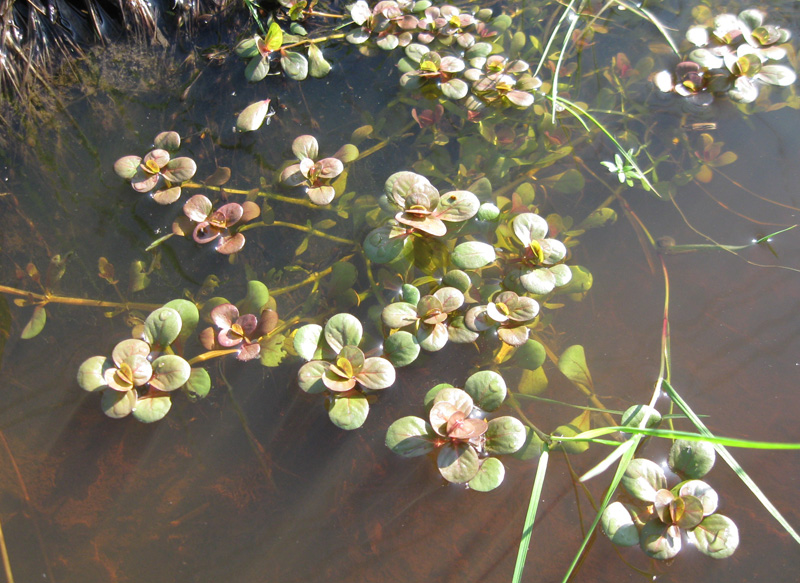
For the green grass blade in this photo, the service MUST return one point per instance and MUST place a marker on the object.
(606, 463)
(724, 454)
(647, 15)
(527, 530)
(592, 434)
(623, 465)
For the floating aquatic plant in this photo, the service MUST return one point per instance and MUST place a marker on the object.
(208, 224)
(541, 271)
(336, 364)
(157, 173)
(140, 375)
(235, 330)
(658, 519)
(457, 428)
(316, 175)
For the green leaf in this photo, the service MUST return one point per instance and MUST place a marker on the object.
(272, 351)
(189, 317)
(490, 475)
(90, 373)
(473, 255)
(118, 404)
(170, 372)
(530, 355)
(255, 300)
(643, 478)
(257, 68)
(410, 437)
(274, 38)
(691, 459)
(377, 373)
(198, 385)
(634, 415)
(660, 541)
(309, 377)
(458, 462)
(618, 525)
(318, 67)
(505, 435)
(401, 348)
(162, 327)
(35, 324)
(382, 245)
(399, 315)
(573, 365)
(348, 411)
(487, 389)
(294, 65)
(252, 117)
(343, 330)
(307, 341)
(532, 382)
(569, 182)
(717, 536)
(152, 408)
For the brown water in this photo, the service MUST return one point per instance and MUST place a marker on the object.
(255, 484)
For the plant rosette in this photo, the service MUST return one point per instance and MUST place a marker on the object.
(207, 224)
(391, 22)
(540, 271)
(157, 173)
(423, 67)
(658, 519)
(238, 330)
(337, 366)
(316, 176)
(431, 316)
(457, 429)
(139, 377)
(508, 313)
(421, 206)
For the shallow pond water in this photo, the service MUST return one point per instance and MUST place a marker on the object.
(254, 483)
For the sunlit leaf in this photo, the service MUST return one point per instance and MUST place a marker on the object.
(410, 437)
(152, 407)
(162, 327)
(473, 255)
(307, 341)
(572, 364)
(505, 435)
(458, 463)
(252, 117)
(643, 478)
(170, 372)
(349, 411)
(91, 373)
(660, 541)
(618, 525)
(116, 404)
(487, 389)
(691, 459)
(342, 330)
(198, 385)
(318, 66)
(401, 348)
(35, 324)
(294, 65)
(717, 536)
(490, 475)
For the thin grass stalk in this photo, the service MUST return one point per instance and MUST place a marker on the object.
(530, 517)
(6, 561)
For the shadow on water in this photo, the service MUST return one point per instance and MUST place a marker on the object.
(254, 483)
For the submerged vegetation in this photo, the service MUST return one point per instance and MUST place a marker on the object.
(462, 246)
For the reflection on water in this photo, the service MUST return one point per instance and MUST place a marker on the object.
(255, 484)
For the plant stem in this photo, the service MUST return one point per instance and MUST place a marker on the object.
(316, 276)
(313, 41)
(268, 195)
(303, 228)
(212, 354)
(6, 561)
(48, 298)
